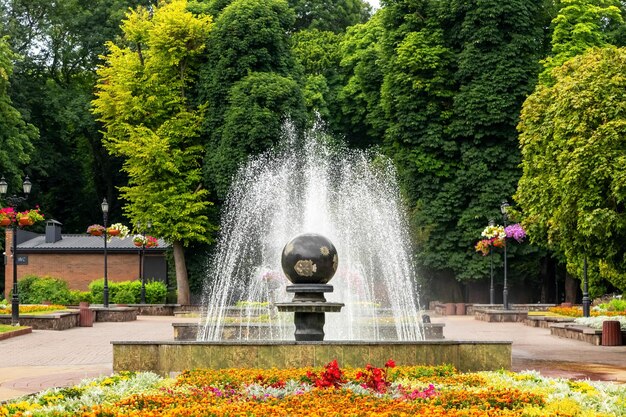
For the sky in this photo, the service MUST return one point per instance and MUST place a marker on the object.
(375, 3)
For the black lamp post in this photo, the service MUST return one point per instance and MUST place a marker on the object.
(586, 299)
(492, 291)
(505, 292)
(141, 259)
(105, 214)
(14, 201)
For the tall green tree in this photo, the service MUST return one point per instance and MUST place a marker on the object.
(250, 77)
(59, 43)
(456, 74)
(329, 15)
(143, 102)
(362, 119)
(578, 26)
(16, 136)
(573, 190)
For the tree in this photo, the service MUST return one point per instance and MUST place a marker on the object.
(329, 15)
(319, 54)
(455, 76)
(249, 44)
(16, 136)
(59, 44)
(578, 26)
(573, 187)
(143, 101)
(363, 121)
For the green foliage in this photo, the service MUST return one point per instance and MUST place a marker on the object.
(456, 75)
(52, 87)
(362, 119)
(125, 294)
(250, 86)
(572, 190)
(155, 292)
(34, 290)
(329, 15)
(319, 54)
(128, 292)
(149, 121)
(253, 122)
(16, 136)
(615, 304)
(578, 26)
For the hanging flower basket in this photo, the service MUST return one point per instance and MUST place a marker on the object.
(118, 230)
(95, 230)
(26, 221)
(29, 217)
(7, 216)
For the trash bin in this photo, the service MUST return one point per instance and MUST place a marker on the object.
(450, 309)
(460, 309)
(85, 315)
(611, 333)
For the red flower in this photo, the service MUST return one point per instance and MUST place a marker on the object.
(390, 364)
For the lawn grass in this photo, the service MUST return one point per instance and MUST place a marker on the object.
(5, 328)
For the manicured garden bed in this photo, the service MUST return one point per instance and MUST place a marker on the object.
(7, 331)
(328, 391)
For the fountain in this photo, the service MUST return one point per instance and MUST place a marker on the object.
(313, 185)
(351, 198)
(309, 262)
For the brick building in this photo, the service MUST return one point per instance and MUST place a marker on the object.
(79, 259)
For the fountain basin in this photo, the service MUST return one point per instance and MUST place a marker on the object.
(262, 331)
(169, 358)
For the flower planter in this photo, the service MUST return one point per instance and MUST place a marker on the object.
(25, 221)
(113, 232)
(138, 244)
(96, 233)
(5, 222)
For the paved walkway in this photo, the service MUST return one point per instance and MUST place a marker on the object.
(46, 358)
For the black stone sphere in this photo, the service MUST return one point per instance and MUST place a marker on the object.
(309, 259)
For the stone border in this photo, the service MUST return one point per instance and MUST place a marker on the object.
(545, 322)
(579, 332)
(14, 333)
(166, 358)
(55, 321)
(501, 316)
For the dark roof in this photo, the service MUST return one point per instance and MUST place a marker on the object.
(84, 243)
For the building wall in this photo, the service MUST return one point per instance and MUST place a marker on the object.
(78, 269)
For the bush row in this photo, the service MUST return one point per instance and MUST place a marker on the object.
(34, 290)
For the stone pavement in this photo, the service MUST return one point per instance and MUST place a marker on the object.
(46, 358)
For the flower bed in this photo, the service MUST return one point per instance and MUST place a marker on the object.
(578, 312)
(331, 391)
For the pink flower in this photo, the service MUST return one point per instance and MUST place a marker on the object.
(515, 231)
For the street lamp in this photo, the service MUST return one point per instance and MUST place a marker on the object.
(105, 214)
(492, 291)
(13, 202)
(141, 259)
(586, 299)
(505, 292)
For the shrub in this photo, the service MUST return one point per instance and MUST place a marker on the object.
(96, 288)
(34, 290)
(156, 291)
(79, 296)
(616, 304)
(127, 292)
(124, 295)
